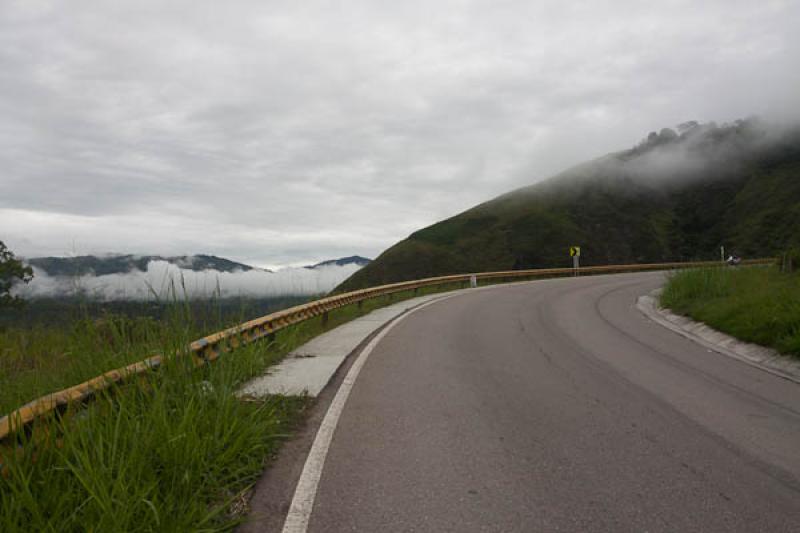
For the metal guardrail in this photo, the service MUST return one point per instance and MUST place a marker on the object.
(211, 347)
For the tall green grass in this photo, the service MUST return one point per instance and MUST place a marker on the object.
(43, 357)
(175, 450)
(755, 304)
(166, 453)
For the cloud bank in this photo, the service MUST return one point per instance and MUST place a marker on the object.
(703, 151)
(162, 280)
(669, 159)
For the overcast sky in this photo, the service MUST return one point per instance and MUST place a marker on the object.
(279, 133)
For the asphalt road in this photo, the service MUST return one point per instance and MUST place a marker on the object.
(557, 406)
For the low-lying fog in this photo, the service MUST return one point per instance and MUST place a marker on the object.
(162, 278)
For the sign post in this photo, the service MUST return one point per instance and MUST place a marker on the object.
(575, 253)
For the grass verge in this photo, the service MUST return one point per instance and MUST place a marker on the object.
(172, 451)
(755, 304)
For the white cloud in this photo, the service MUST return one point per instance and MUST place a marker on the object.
(163, 280)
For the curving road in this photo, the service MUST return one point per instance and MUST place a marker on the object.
(557, 406)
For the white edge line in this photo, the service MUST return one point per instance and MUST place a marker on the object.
(299, 513)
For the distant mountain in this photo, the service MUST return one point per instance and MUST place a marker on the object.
(352, 260)
(676, 196)
(121, 264)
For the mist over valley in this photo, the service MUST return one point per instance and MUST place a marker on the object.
(143, 278)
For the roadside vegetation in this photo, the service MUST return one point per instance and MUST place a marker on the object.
(52, 344)
(175, 450)
(755, 304)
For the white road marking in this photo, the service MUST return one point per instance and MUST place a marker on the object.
(303, 501)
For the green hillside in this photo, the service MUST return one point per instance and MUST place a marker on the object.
(673, 197)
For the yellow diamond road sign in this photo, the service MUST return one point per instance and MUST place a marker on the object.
(574, 251)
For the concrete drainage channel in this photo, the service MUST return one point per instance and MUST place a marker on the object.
(765, 359)
(309, 368)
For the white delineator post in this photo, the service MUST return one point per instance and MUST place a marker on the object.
(473, 281)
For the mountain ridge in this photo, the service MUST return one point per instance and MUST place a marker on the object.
(125, 263)
(349, 260)
(675, 196)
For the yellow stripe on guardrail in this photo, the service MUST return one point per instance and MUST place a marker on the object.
(209, 348)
